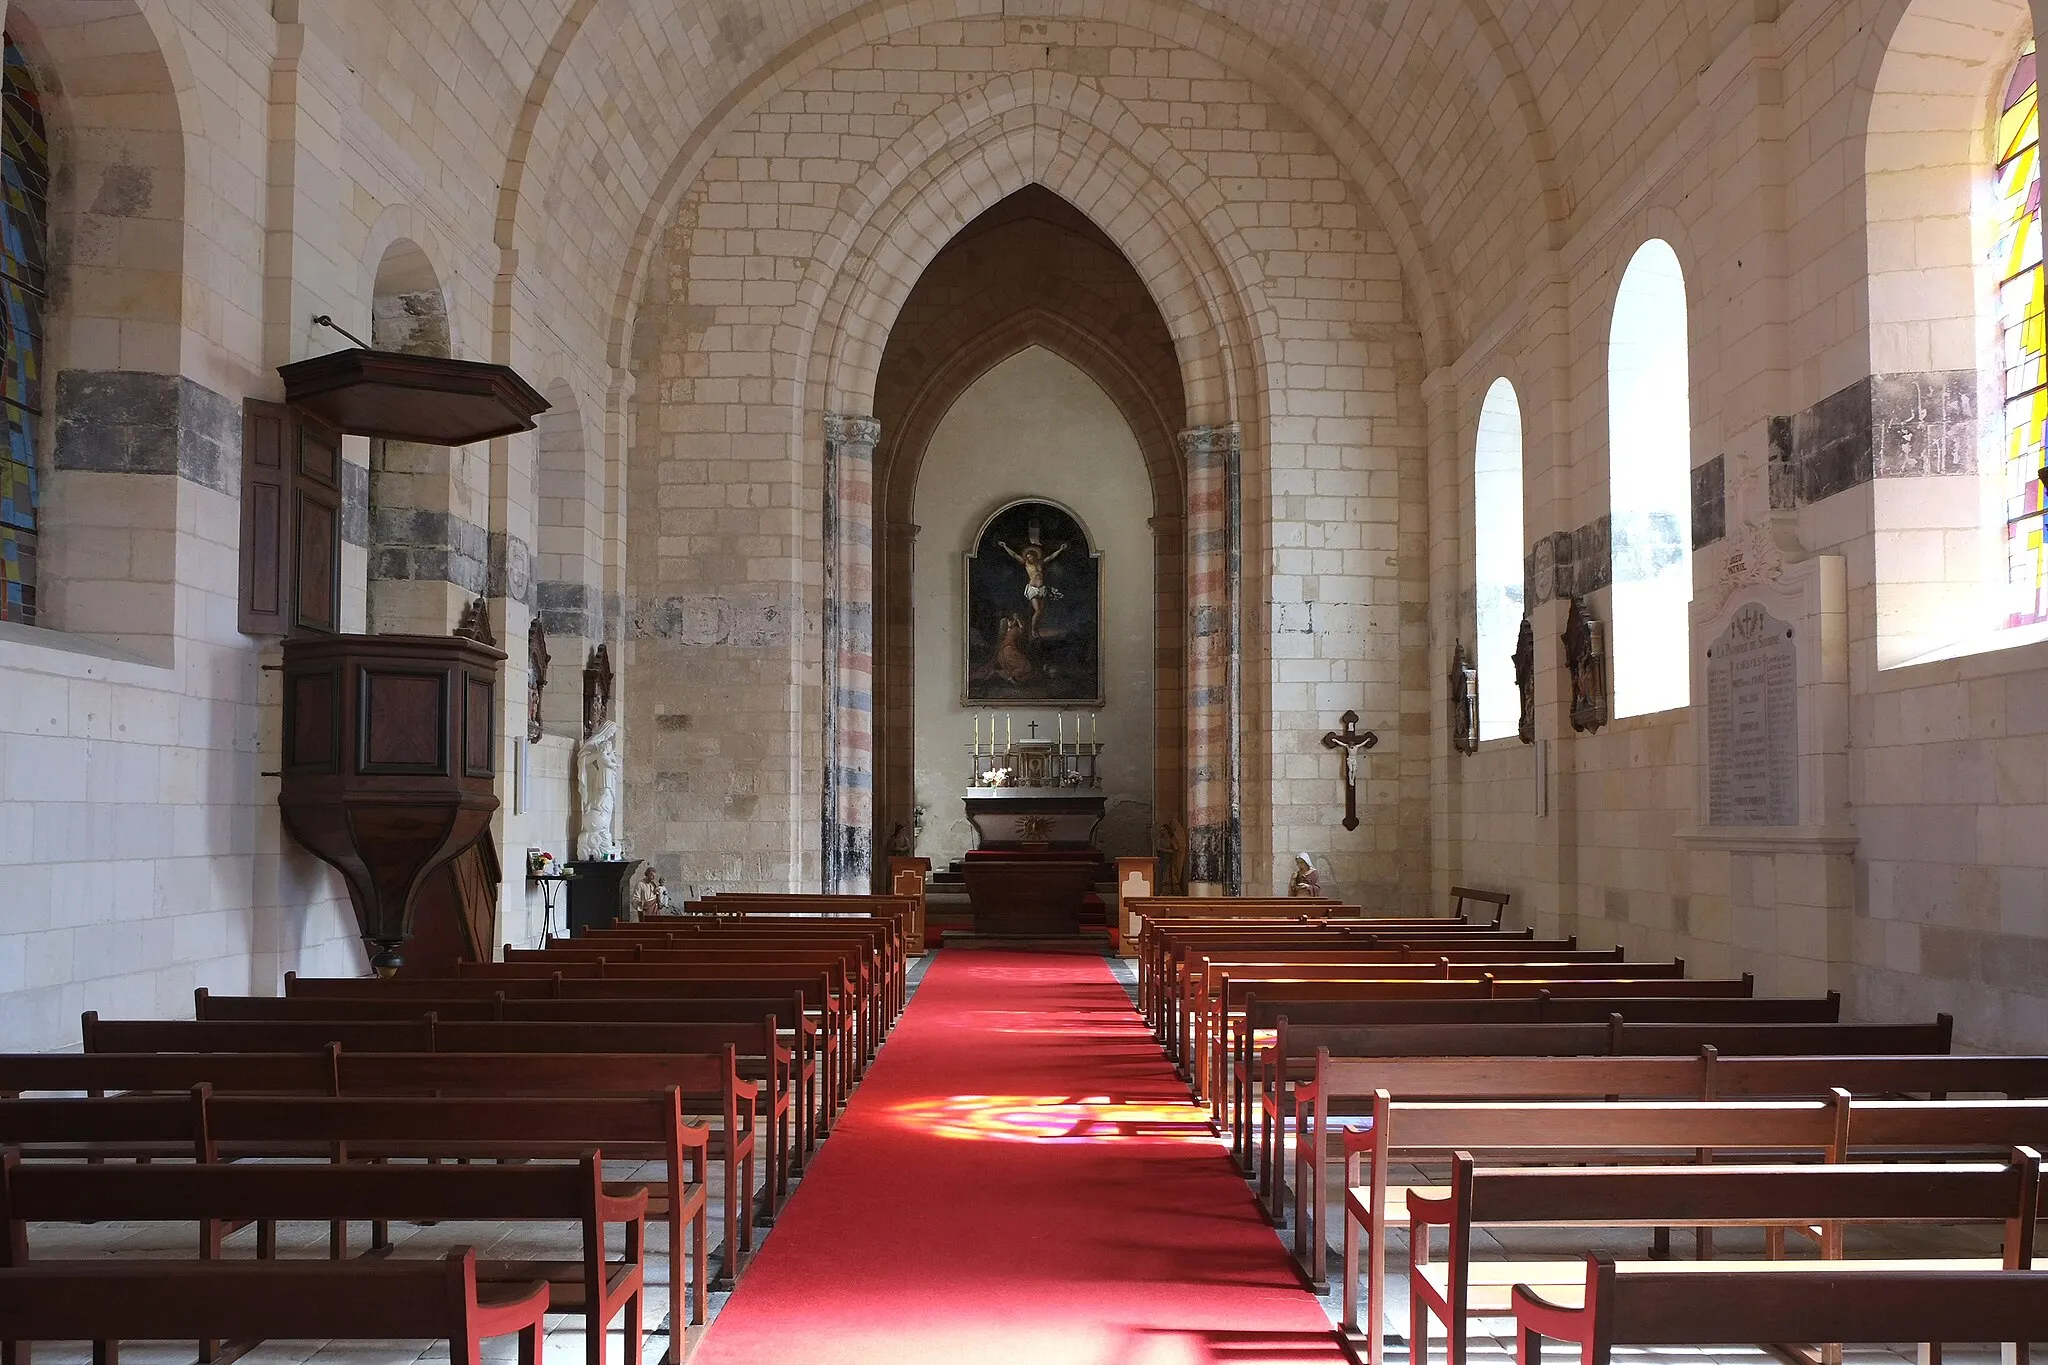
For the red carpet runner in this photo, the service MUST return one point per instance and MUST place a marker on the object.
(1021, 1178)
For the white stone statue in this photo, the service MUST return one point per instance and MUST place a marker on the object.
(597, 780)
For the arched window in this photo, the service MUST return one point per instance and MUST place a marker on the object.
(2022, 348)
(1497, 558)
(24, 190)
(1649, 477)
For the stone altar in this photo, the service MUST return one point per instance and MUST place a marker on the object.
(1034, 817)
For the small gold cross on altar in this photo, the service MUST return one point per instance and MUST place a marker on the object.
(1350, 740)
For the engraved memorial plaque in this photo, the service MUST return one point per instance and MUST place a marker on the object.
(1752, 718)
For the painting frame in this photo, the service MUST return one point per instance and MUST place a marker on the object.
(993, 582)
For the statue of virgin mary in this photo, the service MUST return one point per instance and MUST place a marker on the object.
(597, 781)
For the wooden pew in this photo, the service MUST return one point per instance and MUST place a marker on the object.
(1164, 940)
(1193, 1049)
(1656, 1304)
(874, 936)
(213, 1122)
(825, 1009)
(1553, 1130)
(847, 971)
(703, 1080)
(1139, 911)
(1456, 1289)
(597, 1287)
(761, 1056)
(1301, 1006)
(1706, 1075)
(106, 1302)
(1344, 1057)
(1196, 1034)
(811, 1065)
(906, 911)
(847, 1011)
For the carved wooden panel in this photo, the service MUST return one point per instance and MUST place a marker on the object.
(404, 723)
(266, 525)
(316, 494)
(312, 722)
(478, 729)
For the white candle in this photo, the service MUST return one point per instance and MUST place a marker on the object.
(1009, 730)
(975, 748)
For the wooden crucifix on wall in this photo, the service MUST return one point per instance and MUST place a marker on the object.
(1351, 739)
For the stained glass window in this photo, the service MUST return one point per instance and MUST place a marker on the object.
(2021, 344)
(24, 191)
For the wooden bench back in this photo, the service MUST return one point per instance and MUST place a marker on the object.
(71, 1193)
(301, 1073)
(1618, 1037)
(348, 1301)
(497, 1006)
(550, 986)
(1732, 1196)
(1656, 1305)
(1259, 1013)
(1705, 1076)
(427, 1034)
(1432, 1128)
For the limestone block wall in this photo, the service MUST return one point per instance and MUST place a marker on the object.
(1762, 175)
(732, 385)
(225, 169)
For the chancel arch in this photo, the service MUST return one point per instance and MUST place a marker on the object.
(1031, 273)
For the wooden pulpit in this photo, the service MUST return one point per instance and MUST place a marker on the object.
(390, 765)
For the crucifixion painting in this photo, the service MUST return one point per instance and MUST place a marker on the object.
(1034, 608)
(1351, 739)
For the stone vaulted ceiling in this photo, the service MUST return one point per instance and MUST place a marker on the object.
(1485, 122)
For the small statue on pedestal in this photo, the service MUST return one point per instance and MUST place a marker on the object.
(650, 895)
(1306, 881)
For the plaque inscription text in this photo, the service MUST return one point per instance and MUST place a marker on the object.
(1753, 722)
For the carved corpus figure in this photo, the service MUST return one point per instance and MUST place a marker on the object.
(1306, 881)
(597, 784)
(1351, 740)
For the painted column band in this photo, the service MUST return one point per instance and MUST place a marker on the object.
(1215, 684)
(846, 834)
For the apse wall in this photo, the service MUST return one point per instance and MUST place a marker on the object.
(1033, 427)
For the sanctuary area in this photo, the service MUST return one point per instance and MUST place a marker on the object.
(1129, 682)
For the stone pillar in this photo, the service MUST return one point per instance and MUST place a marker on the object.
(1215, 684)
(847, 832)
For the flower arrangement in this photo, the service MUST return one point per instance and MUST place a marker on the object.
(999, 777)
(540, 863)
